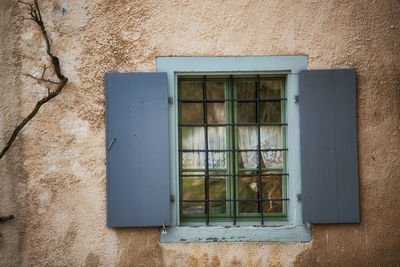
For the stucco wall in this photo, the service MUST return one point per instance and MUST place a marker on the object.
(53, 179)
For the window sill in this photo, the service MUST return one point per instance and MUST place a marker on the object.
(286, 233)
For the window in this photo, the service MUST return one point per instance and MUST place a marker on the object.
(239, 173)
(241, 72)
(153, 119)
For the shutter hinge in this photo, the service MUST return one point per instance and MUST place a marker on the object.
(170, 100)
(164, 230)
(172, 198)
(298, 197)
(296, 99)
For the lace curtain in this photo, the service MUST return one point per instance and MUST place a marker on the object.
(193, 138)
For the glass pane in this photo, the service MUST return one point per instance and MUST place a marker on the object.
(217, 191)
(193, 160)
(248, 189)
(193, 138)
(193, 188)
(217, 160)
(246, 112)
(215, 112)
(216, 138)
(270, 111)
(192, 113)
(246, 90)
(215, 90)
(247, 139)
(271, 137)
(192, 90)
(270, 89)
(272, 159)
(272, 189)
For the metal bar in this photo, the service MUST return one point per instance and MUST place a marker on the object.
(230, 124)
(230, 100)
(258, 119)
(231, 150)
(239, 175)
(237, 200)
(233, 153)
(207, 207)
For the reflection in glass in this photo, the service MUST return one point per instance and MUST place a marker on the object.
(192, 113)
(270, 111)
(217, 191)
(246, 90)
(270, 89)
(193, 189)
(192, 90)
(271, 189)
(215, 90)
(215, 112)
(246, 112)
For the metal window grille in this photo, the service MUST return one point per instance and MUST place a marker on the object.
(232, 124)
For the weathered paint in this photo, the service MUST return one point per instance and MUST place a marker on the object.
(286, 233)
(53, 179)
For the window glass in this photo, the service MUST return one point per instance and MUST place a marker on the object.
(191, 90)
(231, 176)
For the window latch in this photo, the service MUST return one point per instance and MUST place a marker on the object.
(164, 230)
(112, 142)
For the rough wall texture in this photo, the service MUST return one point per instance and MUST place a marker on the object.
(53, 179)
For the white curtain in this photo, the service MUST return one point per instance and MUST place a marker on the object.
(193, 138)
(271, 137)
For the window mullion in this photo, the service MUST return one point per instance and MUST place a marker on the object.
(260, 197)
(233, 151)
(207, 197)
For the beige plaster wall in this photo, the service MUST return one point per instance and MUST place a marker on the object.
(53, 179)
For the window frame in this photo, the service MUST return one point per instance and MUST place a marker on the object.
(291, 230)
(254, 218)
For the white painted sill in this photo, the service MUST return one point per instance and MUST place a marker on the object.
(281, 233)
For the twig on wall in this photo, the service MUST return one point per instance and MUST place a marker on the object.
(36, 16)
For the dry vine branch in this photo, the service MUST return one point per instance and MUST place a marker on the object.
(36, 16)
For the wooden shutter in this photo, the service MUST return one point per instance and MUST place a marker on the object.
(328, 137)
(137, 148)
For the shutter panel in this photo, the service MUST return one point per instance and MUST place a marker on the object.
(137, 149)
(328, 139)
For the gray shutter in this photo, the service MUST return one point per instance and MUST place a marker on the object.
(137, 149)
(328, 137)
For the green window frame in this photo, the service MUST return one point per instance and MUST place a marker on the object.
(231, 204)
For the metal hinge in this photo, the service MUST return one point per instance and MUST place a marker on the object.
(170, 100)
(164, 230)
(296, 99)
